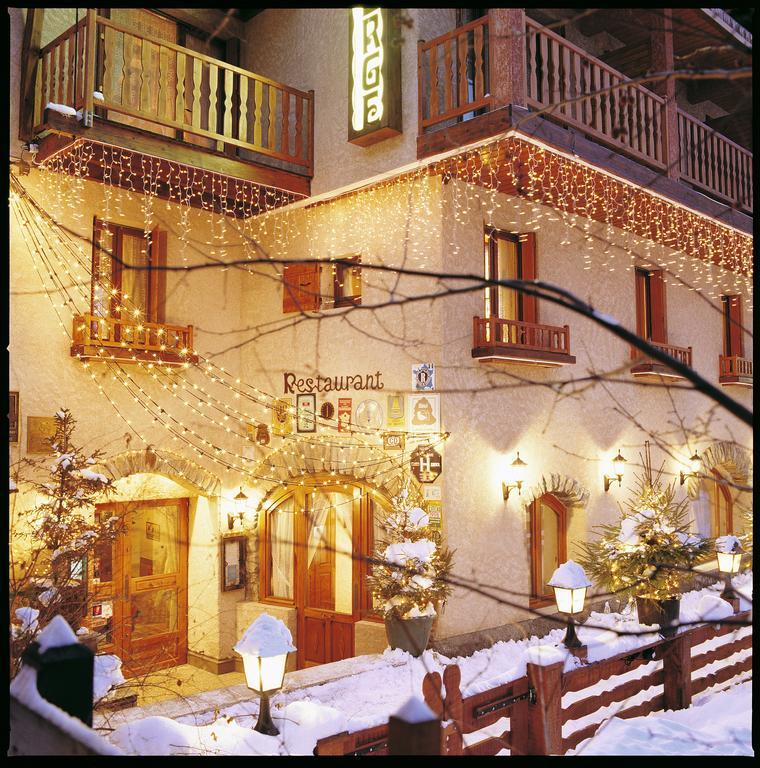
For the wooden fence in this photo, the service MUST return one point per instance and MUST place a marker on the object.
(541, 704)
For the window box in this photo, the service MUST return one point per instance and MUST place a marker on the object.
(495, 339)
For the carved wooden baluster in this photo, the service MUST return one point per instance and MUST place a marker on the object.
(479, 63)
(146, 78)
(447, 75)
(79, 96)
(544, 47)
(555, 57)
(566, 91)
(70, 96)
(126, 49)
(61, 72)
(462, 71)
(229, 89)
(258, 112)
(163, 76)
(213, 92)
(197, 77)
(578, 86)
(272, 117)
(44, 83)
(434, 111)
(179, 103)
(299, 128)
(532, 64)
(243, 118)
(285, 127)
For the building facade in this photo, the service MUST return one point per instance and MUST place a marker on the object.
(316, 315)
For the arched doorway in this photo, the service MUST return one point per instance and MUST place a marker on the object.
(312, 546)
(548, 545)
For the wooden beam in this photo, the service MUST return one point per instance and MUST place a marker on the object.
(661, 42)
(30, 56)
(506, 37)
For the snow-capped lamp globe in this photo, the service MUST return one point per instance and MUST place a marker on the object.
(570, 583)
(265, 646)
(729, 552)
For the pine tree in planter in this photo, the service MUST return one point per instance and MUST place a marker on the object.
(409, 573)
(649, 552)
(48, 553)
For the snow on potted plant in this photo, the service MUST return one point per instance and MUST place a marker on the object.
(408, 579)
(649, 552)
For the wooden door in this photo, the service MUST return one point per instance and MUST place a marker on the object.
(148, 587)
(327, 576)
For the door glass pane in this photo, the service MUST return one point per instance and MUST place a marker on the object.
(103, 278)
(154, 541)
(550, 547)
(506, 254)
(329, 552)
(154, 613)
(134, 282)
(281, 550)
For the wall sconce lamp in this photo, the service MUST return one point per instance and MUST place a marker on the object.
(518, 471)
(618, 467)
(241, 501)
(695, 463)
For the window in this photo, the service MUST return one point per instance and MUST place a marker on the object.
(548, 545)
(309, 287)
(510, 257)
(713, 509)
(651, 317)
(733, 338)
(115, 249)
(347, 284)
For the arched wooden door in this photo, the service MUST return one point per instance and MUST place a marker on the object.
(311, 552)
(548, 529)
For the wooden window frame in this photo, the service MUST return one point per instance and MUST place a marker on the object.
(537, 598)
(651, 305)
(294, 278)
(527, 269)
(155, 309)
(733, 335)
(339, 300)
(721, 489)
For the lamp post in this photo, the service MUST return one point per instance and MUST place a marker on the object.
(265, 647)
(570, 583)
(518, 472)
(729, 552)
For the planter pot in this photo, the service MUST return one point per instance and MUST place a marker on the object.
(662, 612)
(410, 635)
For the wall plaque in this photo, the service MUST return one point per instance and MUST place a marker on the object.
(374, 79)
(424, 413)
(282, 418)
(395, 415)
(38, 430)
(306, 408)
(426, 464)
(394, 441)
(12, 417)
(344, 414)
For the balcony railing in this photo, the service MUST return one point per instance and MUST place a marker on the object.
(645, 365)
(495, 338)
(572, 87)
(133, 78)
(735, 370)
(128, 340)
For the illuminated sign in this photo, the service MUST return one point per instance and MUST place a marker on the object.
(374, 89)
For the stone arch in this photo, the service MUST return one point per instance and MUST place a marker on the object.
(569, 491)
(171, 465)
(730, 458)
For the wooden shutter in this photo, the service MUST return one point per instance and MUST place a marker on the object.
(97, 231)
(528, 271)
(300, 284)
(641, 304)
(733, 338)
(657, 307)
(157, 277)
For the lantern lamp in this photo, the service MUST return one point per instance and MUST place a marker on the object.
(241, 501)
(618, 467)
(518, 473)
(729, 552)
(695, 464)
(265, 647)
(570, 583)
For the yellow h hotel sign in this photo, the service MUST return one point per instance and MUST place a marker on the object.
(374, 88)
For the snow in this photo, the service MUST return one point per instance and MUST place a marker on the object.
(28, 618)
(24, 688)
(59, 414)
(713, 608)
(414, 612)
(628, 535)
(88, 474)
(13, 486)
(717, 724)
(545, 655)
(98, 95)
(56, 634)
(727, 544)
(48, 596)
(418, 517)
(414, 710)
(569, 575)
(106, 674)
(267, 636)
(64, 110)
(401, 552)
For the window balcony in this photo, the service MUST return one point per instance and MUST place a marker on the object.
(735, 370)
(645, 366)
(124, 341)
(498, 340)
(111, 85)
(462, 100)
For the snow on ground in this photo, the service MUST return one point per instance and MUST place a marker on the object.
(717, 724)
(379, 688)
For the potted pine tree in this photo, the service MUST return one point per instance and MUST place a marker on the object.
(409, 575)
(649, 552)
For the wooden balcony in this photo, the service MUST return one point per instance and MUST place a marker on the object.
(458, 105)
(111, 338)
(161, 100)
(735, 370)
(497, 340)
(644, 366)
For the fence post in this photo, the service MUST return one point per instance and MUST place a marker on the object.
(414, 730)
(544, 731)
(676, 667)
